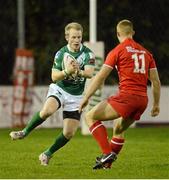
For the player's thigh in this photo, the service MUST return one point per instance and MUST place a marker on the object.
(102, 111)
(50, 106)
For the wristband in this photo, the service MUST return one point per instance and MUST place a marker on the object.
(81, 73)
(65, 73)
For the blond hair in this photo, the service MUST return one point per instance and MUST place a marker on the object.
(125, 27)
(73, 25)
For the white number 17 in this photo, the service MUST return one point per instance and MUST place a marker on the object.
(139, 63)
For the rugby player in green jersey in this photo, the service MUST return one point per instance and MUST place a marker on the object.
(73, 63)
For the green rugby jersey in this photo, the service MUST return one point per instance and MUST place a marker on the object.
(73, 85)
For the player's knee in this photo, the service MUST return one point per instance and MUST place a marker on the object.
(45, 113)
(89, 118)
(69, 134)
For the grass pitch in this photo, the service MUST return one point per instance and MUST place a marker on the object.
(144, 155)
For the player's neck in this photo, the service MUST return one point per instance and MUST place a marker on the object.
(74, 50)
(123, 38)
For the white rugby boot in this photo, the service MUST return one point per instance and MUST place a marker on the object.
(17, 135)
(44, 159)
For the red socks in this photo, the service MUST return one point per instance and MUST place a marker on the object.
(116, 144)
(99, 132)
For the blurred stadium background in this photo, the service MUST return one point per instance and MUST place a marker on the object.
(44, 23)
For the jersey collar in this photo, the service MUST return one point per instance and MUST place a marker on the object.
(68, 46)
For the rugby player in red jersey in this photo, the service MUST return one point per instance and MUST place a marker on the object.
(135, 65)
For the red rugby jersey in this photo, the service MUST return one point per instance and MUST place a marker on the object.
(132, 62)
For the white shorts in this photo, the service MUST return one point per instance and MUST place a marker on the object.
(68, 101)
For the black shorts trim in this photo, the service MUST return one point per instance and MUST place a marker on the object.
(57, 99)
(72, 114)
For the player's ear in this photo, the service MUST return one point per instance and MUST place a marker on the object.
(66, 37)
(133, 33)
(118, 34)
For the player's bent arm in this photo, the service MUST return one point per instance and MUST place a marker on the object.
(57, 75)
(155, 85)
(87, 72)
(97, 81)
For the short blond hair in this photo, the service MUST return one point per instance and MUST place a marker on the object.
(125, 26)
(73, 25)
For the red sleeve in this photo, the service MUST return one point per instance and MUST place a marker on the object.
(111, 58)
(152, 62)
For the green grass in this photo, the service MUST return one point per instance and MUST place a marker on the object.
(145, 155)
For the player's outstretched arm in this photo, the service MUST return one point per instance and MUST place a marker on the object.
(156, 90)
(95, 83)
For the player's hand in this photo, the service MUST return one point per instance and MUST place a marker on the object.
(83, 104)
(72, 67)
(155, 111)
(77, 69)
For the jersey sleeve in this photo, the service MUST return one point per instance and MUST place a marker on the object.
(111, 58)
(91, 59)
(152, 62)
(57, 65)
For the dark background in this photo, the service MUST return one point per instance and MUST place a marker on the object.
(45, 21)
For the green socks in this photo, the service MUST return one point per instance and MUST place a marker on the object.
(34, 122)
(59, 142)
